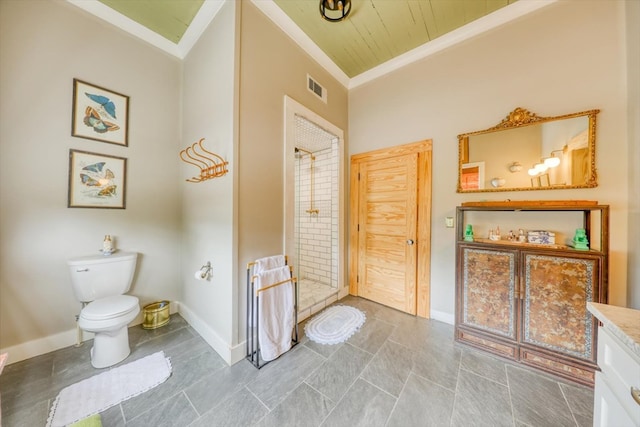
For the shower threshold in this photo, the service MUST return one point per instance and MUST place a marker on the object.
(314, 297)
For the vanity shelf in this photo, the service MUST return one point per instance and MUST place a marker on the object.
(527, 302)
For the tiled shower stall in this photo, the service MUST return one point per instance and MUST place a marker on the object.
(316, 216)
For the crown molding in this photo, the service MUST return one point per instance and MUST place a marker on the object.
(203, 18)
(210, 8)
(199, 24)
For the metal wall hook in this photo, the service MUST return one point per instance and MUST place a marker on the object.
(210, 164)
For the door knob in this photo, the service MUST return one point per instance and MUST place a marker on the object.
(409, 242)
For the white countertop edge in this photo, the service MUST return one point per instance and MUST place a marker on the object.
(613, 327)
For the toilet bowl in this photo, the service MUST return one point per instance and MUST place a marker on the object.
(109, 318)
(101, 283)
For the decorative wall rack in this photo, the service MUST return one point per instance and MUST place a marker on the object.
(210, 164)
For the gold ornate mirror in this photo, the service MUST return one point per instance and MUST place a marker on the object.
(527, 152)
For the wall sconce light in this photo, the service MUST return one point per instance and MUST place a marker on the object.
(553, 161)
(498, 182)
(515, 167)
(538, 168)
(335, 10)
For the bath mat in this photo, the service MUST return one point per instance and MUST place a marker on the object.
(335, 324)
(100, 392)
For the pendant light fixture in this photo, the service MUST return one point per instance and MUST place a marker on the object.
(335, 10)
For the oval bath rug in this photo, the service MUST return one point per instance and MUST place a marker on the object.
(335, 324)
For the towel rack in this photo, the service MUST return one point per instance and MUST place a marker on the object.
(253, 315)
(210, 164)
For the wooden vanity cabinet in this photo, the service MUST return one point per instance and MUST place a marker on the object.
(528, 302)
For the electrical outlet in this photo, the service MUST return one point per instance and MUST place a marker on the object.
(449, 222)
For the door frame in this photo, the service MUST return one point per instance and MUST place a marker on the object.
(423, 274)
(291, 108)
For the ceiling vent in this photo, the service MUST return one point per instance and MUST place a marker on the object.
(315, 88)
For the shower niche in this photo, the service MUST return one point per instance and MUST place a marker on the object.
(313, 205)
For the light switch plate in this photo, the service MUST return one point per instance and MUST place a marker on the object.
(449, 222)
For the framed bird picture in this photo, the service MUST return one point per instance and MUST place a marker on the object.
(99, 114)
(96, 180)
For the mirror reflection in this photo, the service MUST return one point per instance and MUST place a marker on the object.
(527, 152)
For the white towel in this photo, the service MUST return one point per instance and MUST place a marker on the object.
(268, 263)
(276, 313)
(264, 264)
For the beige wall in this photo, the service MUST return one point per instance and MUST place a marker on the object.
(208, 229)
(43, 46)
(633, 116)
(271, 66)
(564, 58)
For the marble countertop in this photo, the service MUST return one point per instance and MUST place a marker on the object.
(622, 322)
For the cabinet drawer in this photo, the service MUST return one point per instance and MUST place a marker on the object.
(580, 372)
(608, 411)
(621, 368)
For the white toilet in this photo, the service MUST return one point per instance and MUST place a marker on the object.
(101, 281)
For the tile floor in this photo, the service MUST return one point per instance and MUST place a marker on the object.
(398, 370)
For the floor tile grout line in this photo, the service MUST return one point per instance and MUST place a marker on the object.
(350, 385)
(191, 403)
(564, 396)
(513, 410)
(376, 386)
(455, 393)
(404, 385)
(262, 403)
(335, 404)
(124, 420)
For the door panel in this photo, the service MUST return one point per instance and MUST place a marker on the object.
(555, 314)
(387, 229)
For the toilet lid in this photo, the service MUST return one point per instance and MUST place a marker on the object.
(107, 308)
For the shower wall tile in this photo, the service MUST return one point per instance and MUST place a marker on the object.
(316, 234)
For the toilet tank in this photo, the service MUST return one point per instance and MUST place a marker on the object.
(100, 276)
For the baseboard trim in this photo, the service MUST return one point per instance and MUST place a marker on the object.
(230, 354)
(57, 341)
(442, 317)
(44, 345)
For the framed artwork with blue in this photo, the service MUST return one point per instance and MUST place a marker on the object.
(96, 180)
(99, 114)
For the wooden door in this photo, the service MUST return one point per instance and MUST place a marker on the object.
(390, 217)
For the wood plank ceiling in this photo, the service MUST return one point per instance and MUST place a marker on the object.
(379, 30)
(376, 31)
(168, 18)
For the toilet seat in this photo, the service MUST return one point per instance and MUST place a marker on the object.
(110, 307)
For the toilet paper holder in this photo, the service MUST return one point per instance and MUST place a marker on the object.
(205, 271)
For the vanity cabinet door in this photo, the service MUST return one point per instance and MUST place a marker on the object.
(555, 295)
(487, 290)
